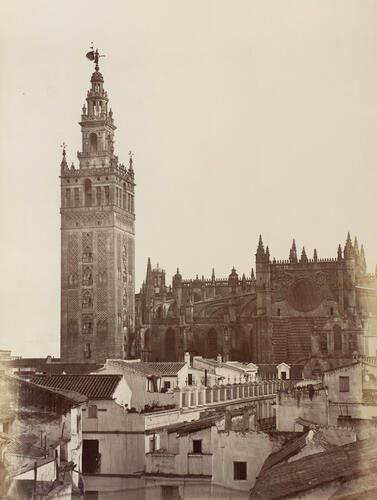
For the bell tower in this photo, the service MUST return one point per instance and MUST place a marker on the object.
(97, 239)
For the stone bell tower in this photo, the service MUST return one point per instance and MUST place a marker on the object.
(97, 239)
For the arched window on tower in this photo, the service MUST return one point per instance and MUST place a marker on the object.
(88, 192)
(93, 142)
(124, 196)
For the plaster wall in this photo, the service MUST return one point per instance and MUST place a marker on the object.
(288, 409)
(250, 447)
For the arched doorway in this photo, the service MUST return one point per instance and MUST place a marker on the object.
(170, 345)
(212, 346)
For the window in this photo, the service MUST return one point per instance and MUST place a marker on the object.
(167, 384)
(124, 196)
(78, 423)
(283, 375)
(344, 384)
(88, 192)
(278, 312)
(107, 195)
(152, 444)
(98, 195)
(337, 338)
(77, 197)
(67, 197)
(169, 492)
(93, 141)
(331, 311)
(87, 351)
(189, 380)
(239, 471)
(92, 411)
(197, 446)
(324, 344)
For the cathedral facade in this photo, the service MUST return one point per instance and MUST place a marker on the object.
(97, 240)
(293, 310)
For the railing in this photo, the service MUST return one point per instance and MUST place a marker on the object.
(193, 396)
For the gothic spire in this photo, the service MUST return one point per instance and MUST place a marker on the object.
(260, 255)
(213, 274)
(348, 248)
(267, 254)
(339, 252)
(293, 252)
(363, 263)
(315, 256)
(260, 249)
(304, 257)
(149, 270)
(252, 274)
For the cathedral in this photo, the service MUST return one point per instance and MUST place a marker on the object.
(97, 239)
(315, 310)
(301, 311)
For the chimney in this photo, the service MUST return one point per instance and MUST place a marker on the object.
(219, 359)
(187, 358)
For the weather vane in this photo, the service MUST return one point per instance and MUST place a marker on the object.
(63, 145)
(130, 154)
(94, 55)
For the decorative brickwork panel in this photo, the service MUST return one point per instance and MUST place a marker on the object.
(73, 302)
(87, 247)
(102, 280)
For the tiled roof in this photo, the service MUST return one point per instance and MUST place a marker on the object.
(91, 386)
(196, 425)
(166, 369)
(341, 463)
(72, 396)
(288, 450)
(69, 368)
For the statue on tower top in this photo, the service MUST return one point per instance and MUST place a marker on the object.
(93, 55)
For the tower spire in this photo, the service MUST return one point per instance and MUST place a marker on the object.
(348, 248)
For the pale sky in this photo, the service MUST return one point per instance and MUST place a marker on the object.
(245, 117)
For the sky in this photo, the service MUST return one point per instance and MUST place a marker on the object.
(245, 118)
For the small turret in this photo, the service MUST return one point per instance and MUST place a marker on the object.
(252, 274)
(304, 258)
(213, 278)
(340, 256)
(315, 256)
(267, 254)
(64, 164)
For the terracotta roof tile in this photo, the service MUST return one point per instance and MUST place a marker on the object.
(342, 463)
(167, 369)
(91, 386)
